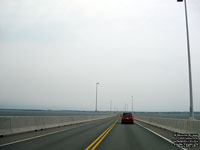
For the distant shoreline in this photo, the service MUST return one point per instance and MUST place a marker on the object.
(93, 111)
(40, 112)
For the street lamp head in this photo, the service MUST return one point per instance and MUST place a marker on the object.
(97, 83)
(179, 0)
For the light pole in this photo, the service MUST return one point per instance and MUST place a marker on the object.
(111, 105)
(132, 104)
(96, 96)
(189, 62)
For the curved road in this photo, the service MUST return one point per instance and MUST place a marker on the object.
(109, 134)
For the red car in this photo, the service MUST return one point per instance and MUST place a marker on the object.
(127, 118)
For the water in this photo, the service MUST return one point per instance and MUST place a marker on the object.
(31, 112)
(174, 115)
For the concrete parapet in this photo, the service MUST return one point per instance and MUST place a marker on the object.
(18, 124)
(175, 125)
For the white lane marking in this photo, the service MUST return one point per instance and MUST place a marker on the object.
(34, 137)
(38, 136)
(160, 136)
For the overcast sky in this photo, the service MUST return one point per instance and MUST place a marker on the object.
(52, 53)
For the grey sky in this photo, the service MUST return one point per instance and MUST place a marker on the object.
(53, 52)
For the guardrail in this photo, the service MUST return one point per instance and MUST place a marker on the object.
(18, 124)
(175, 125)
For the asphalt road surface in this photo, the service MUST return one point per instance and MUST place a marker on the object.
(102, 135)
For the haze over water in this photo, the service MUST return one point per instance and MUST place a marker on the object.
(52, 54)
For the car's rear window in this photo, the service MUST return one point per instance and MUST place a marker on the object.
(127, 114)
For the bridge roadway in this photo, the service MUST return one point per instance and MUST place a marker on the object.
(108, 134)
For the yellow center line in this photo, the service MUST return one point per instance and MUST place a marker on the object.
(96, 139)
(102, 136)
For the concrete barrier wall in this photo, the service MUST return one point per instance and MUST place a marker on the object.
(18, 124)
(175, 125)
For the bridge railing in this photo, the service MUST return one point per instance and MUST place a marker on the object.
(175, 125)
(18, 124)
